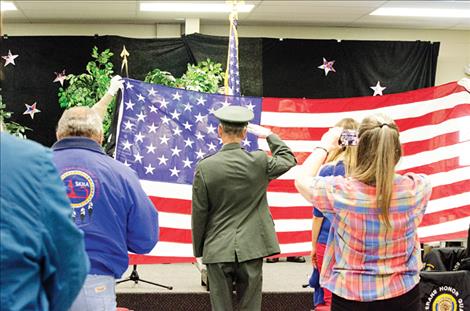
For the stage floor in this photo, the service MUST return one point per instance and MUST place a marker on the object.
(277, 277)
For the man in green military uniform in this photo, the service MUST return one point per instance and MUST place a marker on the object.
(231, 224)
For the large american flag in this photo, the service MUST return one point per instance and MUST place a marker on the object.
(163, 133)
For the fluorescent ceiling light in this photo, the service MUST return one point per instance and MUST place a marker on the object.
(193, 7)
(422, 12)
(7, 6)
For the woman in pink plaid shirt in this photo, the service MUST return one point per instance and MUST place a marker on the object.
(372, 258)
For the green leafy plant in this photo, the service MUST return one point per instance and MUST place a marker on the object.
(206, 76)
(11, 127)
(203, 77)
(158, 76)
(86, 89)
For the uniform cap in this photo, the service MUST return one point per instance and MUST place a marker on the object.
(234, 114)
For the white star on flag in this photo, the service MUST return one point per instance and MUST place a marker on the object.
(141, 116)
(151, 148)
(176, 96)
(152, 128)
(199, 136)
(149, 169)
(128, 125)
(177, 131)
(163, 103)
(226, 103)
(174, 171)
(211, 129)
(129, 105)
(138, 157)
(175, 151)
(164, 140)
(153, 109)
(199, 117)
(162, 160)
(152, 92)
(127, 145)
(187, 107)
(165, 120)
(140, 97)
(250, 106)
(246, 142)
(139, 137)
(378, 89)
(187, 163)
(175, 115)
(211, 146)
(200, 154)
(201, 101)
(129, 86)
(187, 126)
(188, 143)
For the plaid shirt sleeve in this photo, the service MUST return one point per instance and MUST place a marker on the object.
(422, 193)
(322, 189)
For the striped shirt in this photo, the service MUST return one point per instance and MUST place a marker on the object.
(365, 260)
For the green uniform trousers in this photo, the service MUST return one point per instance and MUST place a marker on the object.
(248, 279)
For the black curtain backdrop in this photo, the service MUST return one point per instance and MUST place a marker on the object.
(249, 50)
(268, 67)
(290, 67)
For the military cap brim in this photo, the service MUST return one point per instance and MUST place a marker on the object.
(234, 114)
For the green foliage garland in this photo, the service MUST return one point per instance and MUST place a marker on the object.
(206, 77)
(10, 126)
(86, 89)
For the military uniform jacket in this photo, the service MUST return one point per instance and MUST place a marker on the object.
(230, 214)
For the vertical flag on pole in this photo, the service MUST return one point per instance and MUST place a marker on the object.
(232, 76)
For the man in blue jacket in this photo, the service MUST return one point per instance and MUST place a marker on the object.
(43, 261)
(108, 204)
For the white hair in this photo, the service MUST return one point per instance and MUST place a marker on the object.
(80, 121)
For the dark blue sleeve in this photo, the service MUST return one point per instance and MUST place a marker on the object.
(326, 170)
(65, 262)
(142, 219)
(317, 213)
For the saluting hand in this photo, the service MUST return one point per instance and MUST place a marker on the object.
(329, 140)
(258, 130)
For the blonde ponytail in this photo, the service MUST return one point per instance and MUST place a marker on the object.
(378, 152)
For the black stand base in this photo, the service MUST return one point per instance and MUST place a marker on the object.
(135, 277)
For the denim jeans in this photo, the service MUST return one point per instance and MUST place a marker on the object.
(97, 294)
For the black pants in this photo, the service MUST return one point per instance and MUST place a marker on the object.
(409, 301)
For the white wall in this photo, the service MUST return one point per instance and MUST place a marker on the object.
(453, 55)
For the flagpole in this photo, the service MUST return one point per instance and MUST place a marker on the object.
(233, 40)
(124, 64)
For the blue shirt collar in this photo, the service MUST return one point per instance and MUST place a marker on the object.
(78, 142)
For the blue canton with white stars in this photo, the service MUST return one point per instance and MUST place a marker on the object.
(164, 131)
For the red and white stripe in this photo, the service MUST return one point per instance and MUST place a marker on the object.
(434, 130)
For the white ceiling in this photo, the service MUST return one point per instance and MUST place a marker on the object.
(311, 13)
